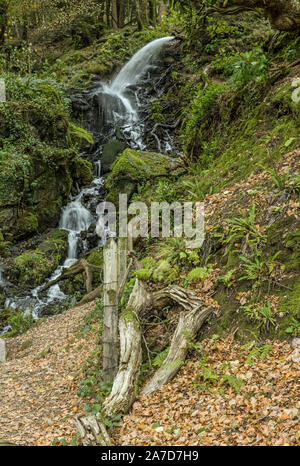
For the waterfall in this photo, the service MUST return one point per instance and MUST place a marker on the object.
(132, 71)
(75, 218)
(119, 105)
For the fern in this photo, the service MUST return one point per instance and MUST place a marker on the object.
(259, 352)
(208, 375)
(159, 359)
(232, 381)
(198, 274)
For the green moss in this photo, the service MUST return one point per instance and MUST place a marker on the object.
(290, 306)
(37, 166)
(32, 267)
(82, 170)
(133, 167)
(28, 223)
(95, 257)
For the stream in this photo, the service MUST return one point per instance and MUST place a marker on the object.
(115, 106)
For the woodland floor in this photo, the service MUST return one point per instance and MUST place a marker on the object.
(38, 387)
(37, 391)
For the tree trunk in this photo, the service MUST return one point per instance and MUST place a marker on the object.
(79, 267)
(162, 10)
(114, 14)
(92, 431)
(284, 15)
(153, 12)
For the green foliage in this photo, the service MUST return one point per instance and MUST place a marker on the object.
(174, 250)
(285, 181)
(165, 191)
(244, 67)
(232, 381)
(244, 228)
(198, 274)
(207, 375)
(258, 268)
(19, 322)
(75, 132)
(229, 278)
(33, 266)
(264, 315)
(159, 359)
(200, 115)
(211, 378)
(62, 442)
(195, 189)
(258, 352)
(294, 328)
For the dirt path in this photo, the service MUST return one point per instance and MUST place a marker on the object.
(37, 392)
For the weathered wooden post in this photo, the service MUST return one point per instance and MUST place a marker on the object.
(2, 350)
(129, 238)
(110, 317)
(122, 259)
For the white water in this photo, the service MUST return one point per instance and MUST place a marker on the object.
(137, 65)
(117, 106)
(75, 218)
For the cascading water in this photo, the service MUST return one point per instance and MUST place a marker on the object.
(118, 101)
(119, 105)
(131, 73)
(75, 218)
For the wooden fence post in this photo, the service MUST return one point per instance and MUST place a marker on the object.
(110, 318)
(122, 259)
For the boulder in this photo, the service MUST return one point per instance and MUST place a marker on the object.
(134, 167)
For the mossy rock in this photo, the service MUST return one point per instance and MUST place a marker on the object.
(34, 266)
(38, 163)
(82, 170)
(134, 167)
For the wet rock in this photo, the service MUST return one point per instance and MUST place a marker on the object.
(111, 150)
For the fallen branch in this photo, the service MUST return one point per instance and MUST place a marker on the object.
(79, 267)
(187, 328)
(90, 296)
(140, 302)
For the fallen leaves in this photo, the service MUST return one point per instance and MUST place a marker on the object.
(37, 389)
(264, 412)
